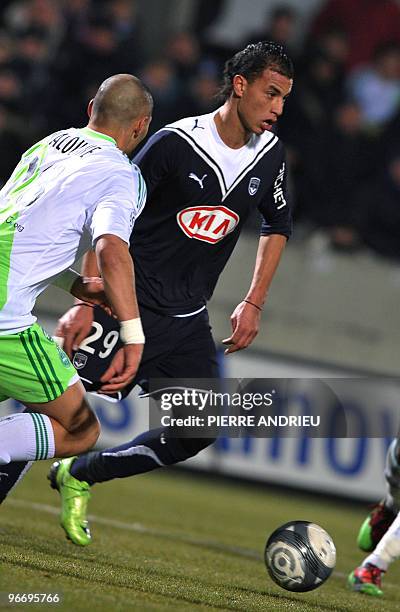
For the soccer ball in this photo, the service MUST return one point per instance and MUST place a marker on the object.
(300, 556)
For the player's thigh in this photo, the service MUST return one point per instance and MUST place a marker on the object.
(195, 355)
(33, 368)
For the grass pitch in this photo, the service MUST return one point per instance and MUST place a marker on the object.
(175, 542)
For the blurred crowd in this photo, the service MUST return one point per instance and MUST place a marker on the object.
(341, 123)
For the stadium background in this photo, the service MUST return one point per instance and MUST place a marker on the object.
(333, 308)
(168, 540)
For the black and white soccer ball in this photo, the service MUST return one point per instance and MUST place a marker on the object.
(300, 556)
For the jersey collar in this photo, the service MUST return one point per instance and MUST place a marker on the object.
(89, 132)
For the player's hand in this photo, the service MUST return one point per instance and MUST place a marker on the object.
(245, 321)
(123, 368)
(74, 327)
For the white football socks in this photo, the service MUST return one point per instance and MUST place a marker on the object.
(388, 549)
(26, 436)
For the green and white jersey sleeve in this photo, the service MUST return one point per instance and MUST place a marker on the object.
(68, 190)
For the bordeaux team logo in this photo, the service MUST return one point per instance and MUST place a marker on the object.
(79, 360)
(207, 223)
(254, 184)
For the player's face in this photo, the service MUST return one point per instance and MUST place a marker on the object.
(261, 101)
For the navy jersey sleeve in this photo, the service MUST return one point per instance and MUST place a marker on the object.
(276, 207)
(158, 159)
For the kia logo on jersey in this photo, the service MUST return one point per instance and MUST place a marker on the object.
(207, 223)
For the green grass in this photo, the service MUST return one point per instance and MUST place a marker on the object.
(168, 541)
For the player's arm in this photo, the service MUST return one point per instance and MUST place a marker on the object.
(275, 230)
(245, 319)
(110, 226)
(89, 264)
(116, 268)
(116, 209)
(82, 287)
(75, 325)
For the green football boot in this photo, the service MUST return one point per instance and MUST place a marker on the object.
(75, 495)
(366, 579)
(375, 526)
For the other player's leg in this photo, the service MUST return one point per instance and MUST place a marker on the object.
(383, 514)
(367, 577)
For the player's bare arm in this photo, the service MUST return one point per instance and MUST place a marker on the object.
(111, 254)
(245, 319)
(116, 267)
(76, 323)
(89, 289)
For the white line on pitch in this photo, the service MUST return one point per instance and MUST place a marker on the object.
(139, 528)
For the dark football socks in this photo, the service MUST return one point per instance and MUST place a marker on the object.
(151, 450)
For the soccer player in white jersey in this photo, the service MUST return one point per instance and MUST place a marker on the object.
(73, 190)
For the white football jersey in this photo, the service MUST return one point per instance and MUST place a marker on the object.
(68, 190)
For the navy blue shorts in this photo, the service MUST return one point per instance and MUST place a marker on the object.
(176, 347)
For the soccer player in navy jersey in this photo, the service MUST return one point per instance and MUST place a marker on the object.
(204, 175)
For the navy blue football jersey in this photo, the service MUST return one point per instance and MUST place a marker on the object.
(200, 193)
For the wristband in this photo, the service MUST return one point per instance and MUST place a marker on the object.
(252, 304)
(131, 332)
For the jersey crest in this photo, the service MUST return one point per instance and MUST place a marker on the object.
(254, 184)
(80, 360)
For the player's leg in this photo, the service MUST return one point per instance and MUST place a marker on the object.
(67, 426)
(58, 421)
(388, 549)
(192, 354)
(11, 474)
(61, 427)
(74, 424)
(383, 514)
(367, 577)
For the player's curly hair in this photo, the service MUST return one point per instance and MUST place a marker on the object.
(252, 61)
